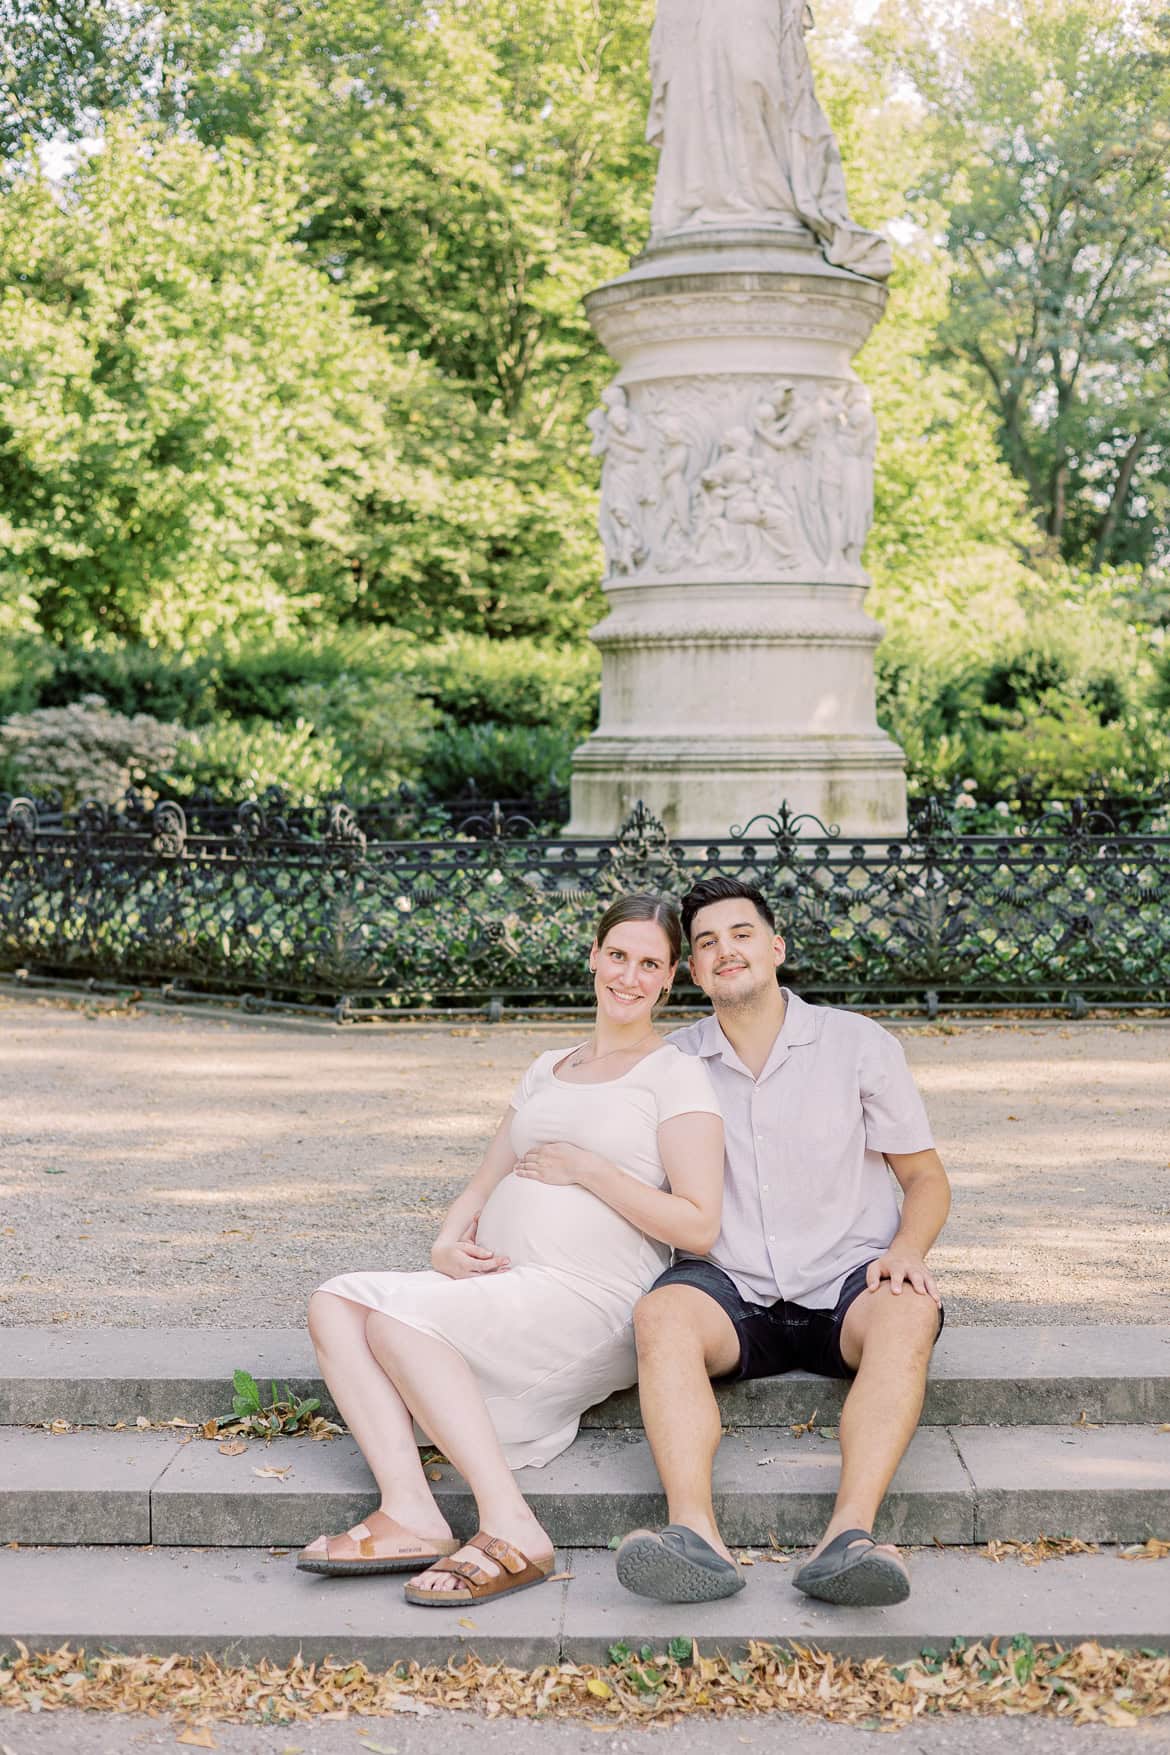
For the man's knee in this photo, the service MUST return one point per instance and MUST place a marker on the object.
(660, 1316)
(683, 1321)
(903, 1323)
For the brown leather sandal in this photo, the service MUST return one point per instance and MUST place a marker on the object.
(380, 1544)
(517, 1572)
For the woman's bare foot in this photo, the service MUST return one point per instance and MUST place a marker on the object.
(384, 1538)
(523, 1533)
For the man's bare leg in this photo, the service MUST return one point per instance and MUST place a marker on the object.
(684, 1339)
(887, 1338)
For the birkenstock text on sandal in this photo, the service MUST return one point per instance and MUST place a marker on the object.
(380, 1544)
(674, 1565)
(476, 1584)
(851, 1570)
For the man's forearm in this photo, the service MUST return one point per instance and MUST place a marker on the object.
(925, 1205)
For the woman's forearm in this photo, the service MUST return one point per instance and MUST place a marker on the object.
(670, 1218)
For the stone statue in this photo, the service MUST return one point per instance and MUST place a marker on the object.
(746, 516)
(860, 440)
(788, 422)
(742, 136)
(620, 440)
(674, 453)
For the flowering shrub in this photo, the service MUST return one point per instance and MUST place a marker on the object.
(85, 751)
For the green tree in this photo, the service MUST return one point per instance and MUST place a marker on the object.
(198, 434)
(1049, 134)
(62, 62)
(469, 172)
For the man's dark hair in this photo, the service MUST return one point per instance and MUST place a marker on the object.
(721, 889)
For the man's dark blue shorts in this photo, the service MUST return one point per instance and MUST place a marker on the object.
(774, 1338)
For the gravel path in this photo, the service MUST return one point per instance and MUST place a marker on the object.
(455, 1733)
(183, 1169)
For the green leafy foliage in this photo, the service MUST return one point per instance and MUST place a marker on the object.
(1048, 132)
(501, 761)
(294, 372)
(238, 761)
(282, 1415)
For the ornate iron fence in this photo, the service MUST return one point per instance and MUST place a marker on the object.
(307, 908)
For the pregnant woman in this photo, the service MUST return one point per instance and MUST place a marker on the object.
(610, 1155)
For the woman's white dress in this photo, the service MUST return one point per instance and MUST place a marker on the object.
(553, 1333)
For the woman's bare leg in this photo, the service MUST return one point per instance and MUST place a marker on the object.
(439, 1387)
(374, 1412)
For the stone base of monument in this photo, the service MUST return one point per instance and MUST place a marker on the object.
(737, 494)
(856, 785)
(722, 701)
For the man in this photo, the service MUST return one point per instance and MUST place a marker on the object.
(814, 1269)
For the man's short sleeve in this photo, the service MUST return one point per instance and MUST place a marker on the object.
(895, 1116)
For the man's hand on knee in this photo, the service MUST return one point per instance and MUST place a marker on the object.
(902, 1268)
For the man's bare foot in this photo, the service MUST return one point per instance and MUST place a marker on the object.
(849, 1567)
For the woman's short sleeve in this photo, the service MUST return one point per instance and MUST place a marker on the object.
(683, 1085)
(531, 1078)
(524, 1089)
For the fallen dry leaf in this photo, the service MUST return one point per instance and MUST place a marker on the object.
(1089, 1684)
(237, 1447)
(376, 1748)
(1035, 1553)
(142, 1423)
(466, 1621)
(271, 1473)
(808, 1426)
(197, 1737)
(1153, 1549)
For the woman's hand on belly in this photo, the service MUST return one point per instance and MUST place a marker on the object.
(559, 1164)
(463, 1257)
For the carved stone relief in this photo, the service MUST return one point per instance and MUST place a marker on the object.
(736, 478)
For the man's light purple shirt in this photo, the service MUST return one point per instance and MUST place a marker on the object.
(807, 1193)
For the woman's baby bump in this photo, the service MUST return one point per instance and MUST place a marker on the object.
(563, 1228)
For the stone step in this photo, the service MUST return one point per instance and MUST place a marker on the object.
(956, 1485)
(979, 1377)
(240, 1604)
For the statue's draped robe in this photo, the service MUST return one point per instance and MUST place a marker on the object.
(742, 135)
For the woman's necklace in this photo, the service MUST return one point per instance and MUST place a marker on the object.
(576, 1060)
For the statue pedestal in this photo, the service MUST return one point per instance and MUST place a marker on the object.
(737, 659)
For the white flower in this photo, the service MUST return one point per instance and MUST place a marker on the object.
(1003, 808)
(403, 904)
(964, 802)
(1056, 805)
(970, 785)
(494, 877)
